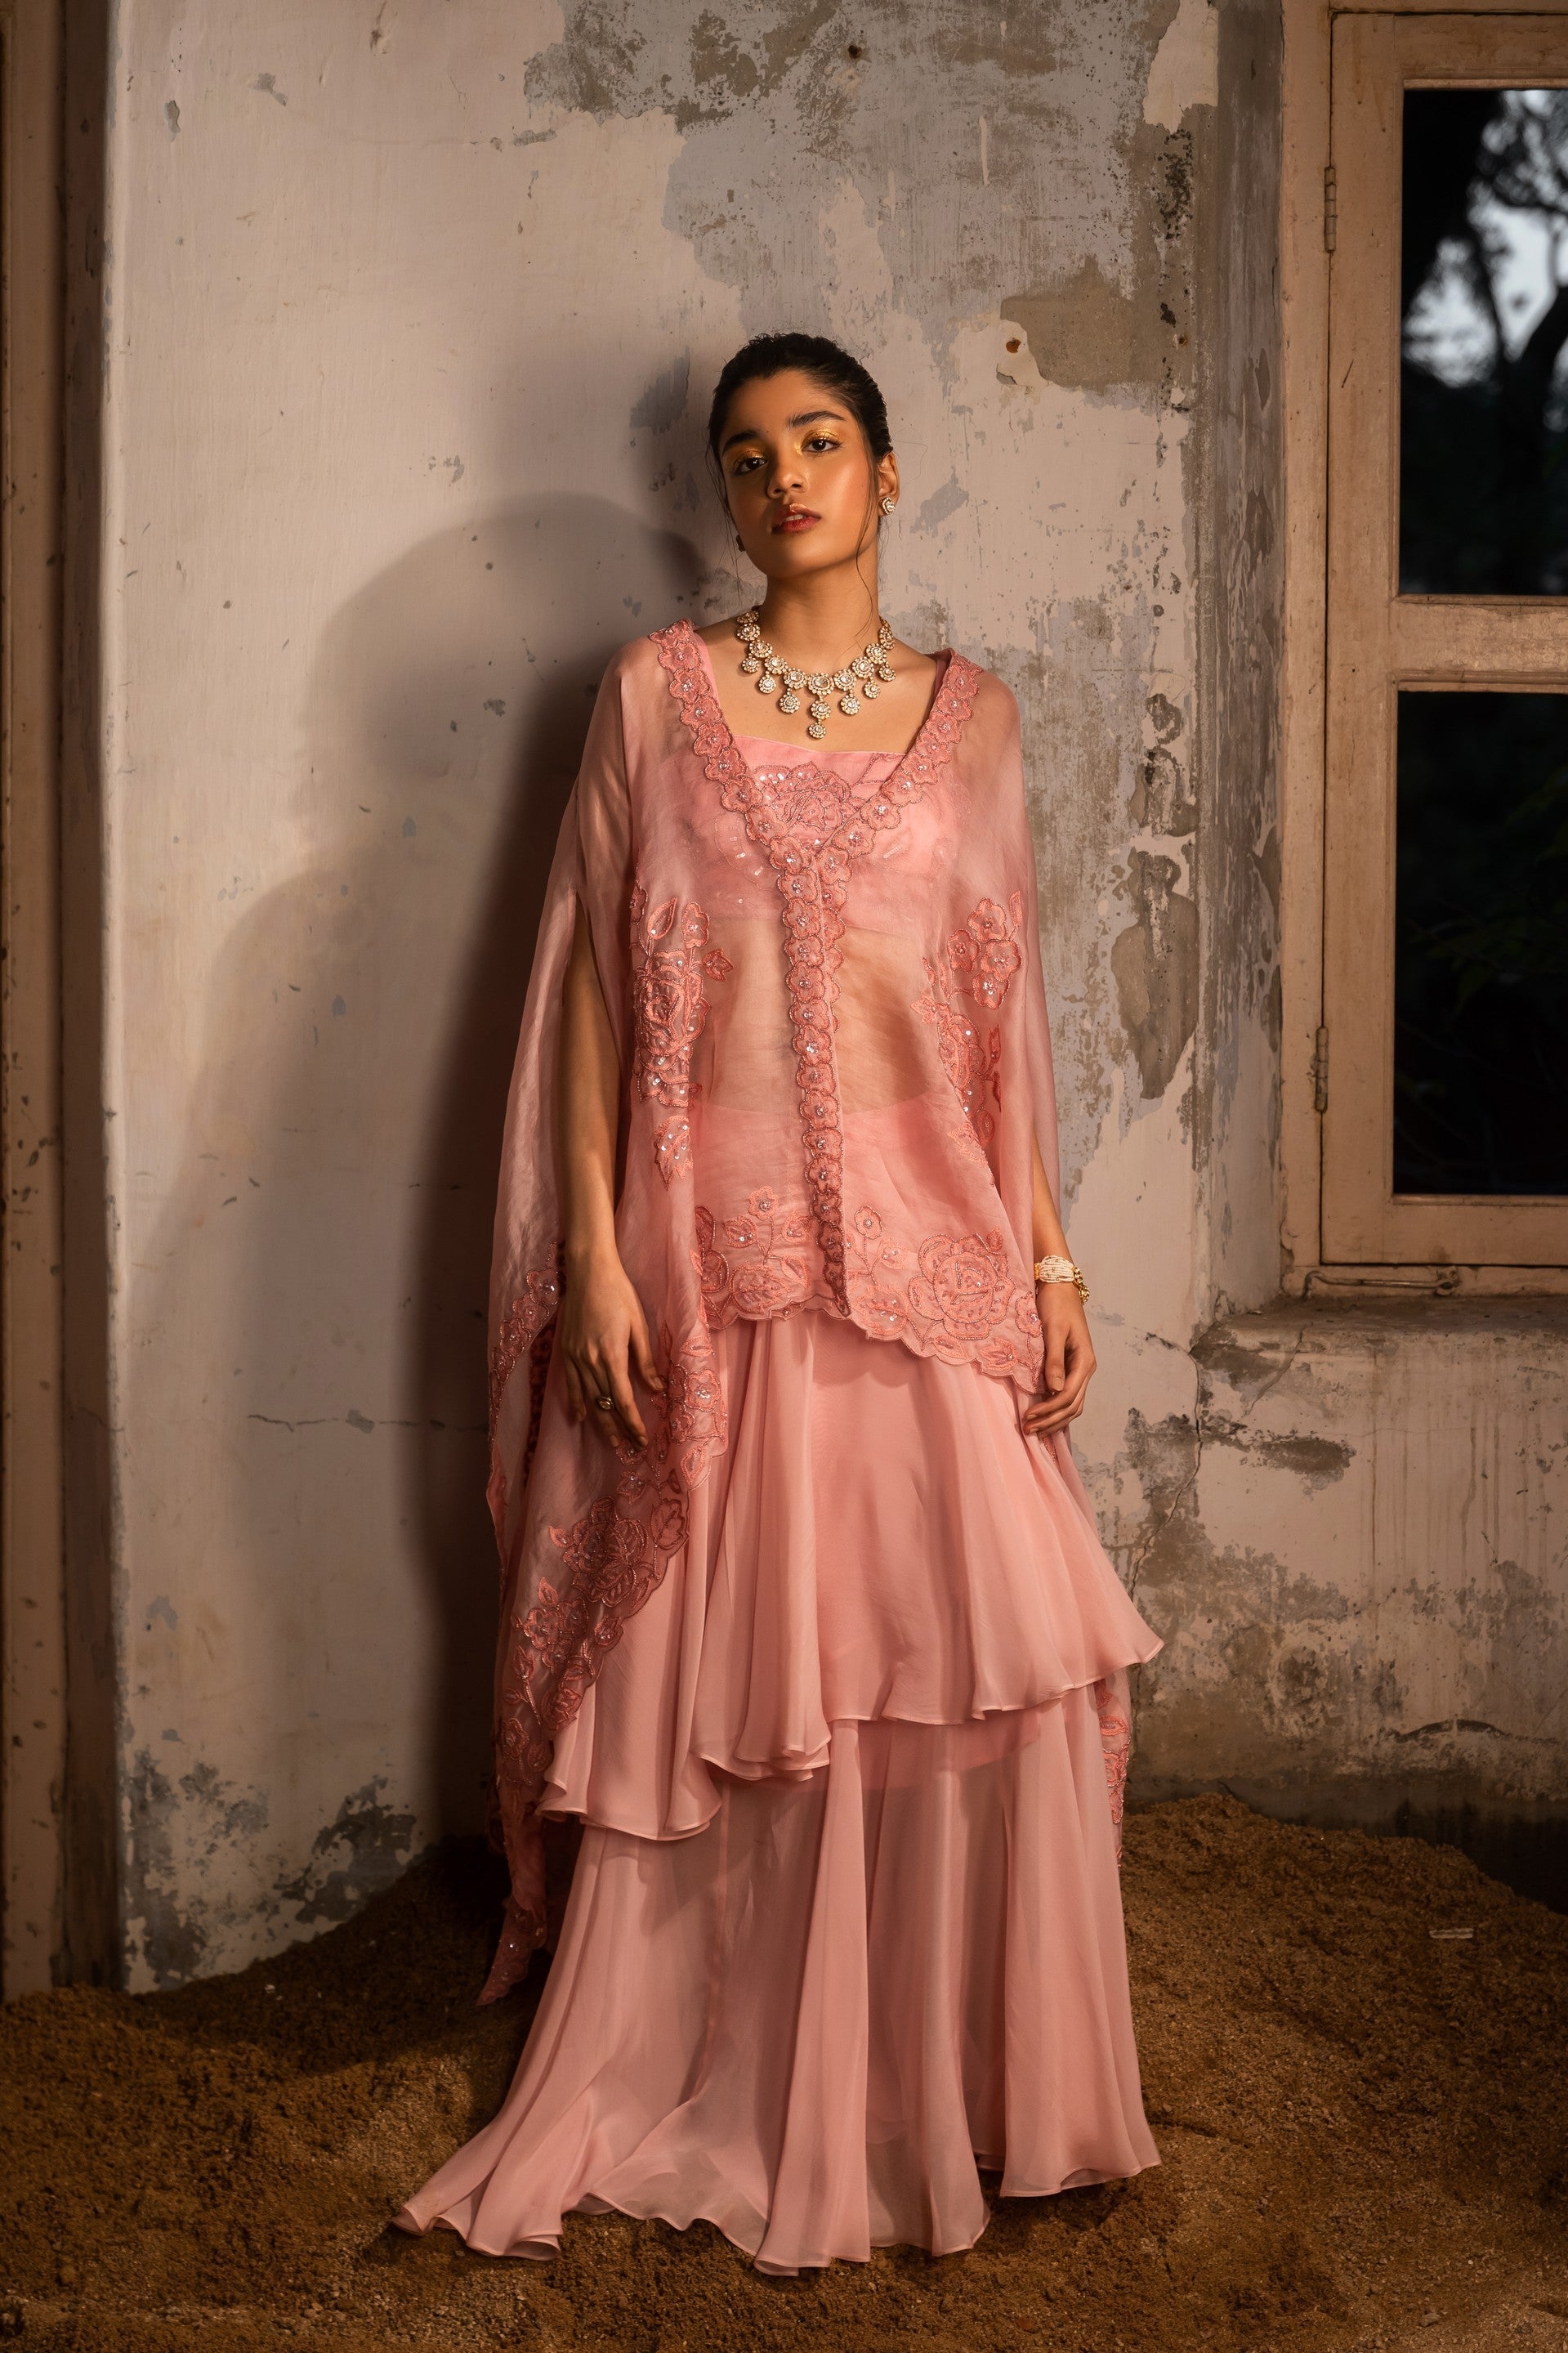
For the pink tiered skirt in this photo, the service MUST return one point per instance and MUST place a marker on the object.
(845, 1924)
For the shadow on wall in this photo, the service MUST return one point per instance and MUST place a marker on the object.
(361, 1022)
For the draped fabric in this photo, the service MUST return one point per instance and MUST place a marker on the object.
(824, 977)
(814, 2022)
(845, 1926)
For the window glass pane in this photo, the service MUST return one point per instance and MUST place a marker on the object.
(1481, 992)
(1483, 436)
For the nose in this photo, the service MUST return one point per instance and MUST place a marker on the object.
(786, 474)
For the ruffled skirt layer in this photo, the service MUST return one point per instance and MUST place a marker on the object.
(845, 1922)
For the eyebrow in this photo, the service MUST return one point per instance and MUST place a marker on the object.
(806, 417)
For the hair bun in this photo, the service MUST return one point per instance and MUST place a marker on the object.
(836, 370)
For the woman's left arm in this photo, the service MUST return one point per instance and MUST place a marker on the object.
(1068, 1354)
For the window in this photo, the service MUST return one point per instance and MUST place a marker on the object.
(1443, 1059)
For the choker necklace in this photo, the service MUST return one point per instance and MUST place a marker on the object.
(870, 671)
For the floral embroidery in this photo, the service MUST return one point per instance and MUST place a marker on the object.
(752, 1275)
(972, 1062)
(668, 1015)
(668, 1009)
(609, 1562)
(606, 1566)
(527, 1329)
(963, 1284)
(1116, 1742)
(980, 962)
(523, 1319)
(813, 829)
(986, 950)
(717, 965)
(959, 1302)
(672, 1147)
(696, 1426)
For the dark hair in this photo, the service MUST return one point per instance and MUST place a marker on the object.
(836, 370)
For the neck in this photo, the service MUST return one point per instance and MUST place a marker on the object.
(825, 617)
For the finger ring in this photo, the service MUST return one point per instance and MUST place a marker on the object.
(604, 1403)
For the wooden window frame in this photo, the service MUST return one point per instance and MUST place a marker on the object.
(1351, 641)
(33, 1630)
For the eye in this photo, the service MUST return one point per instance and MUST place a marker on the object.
(744, 465)
(821, 441)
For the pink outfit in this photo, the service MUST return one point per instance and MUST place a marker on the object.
(835, 1675)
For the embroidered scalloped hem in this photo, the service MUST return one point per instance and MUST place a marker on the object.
(962, 1306)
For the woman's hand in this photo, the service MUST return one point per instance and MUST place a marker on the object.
(602, 1338)
(1068, 1359)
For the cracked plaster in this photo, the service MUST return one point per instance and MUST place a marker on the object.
(435, 446)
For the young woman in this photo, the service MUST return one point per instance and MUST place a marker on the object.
(805, 1619)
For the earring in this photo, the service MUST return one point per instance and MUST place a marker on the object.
(889, 504)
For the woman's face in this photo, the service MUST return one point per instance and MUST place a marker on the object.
(799, 477)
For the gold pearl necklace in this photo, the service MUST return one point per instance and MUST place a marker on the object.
(870, 671)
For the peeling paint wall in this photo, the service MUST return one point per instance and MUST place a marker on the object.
(1354, 1547)
(410, 319)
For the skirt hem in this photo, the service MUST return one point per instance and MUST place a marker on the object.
(545, 2245)
(558, 1803)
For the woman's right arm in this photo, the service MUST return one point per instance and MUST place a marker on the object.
(603, 1333)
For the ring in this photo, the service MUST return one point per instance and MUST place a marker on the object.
(604, 1403)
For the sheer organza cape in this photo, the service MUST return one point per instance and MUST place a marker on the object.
(835, 1068)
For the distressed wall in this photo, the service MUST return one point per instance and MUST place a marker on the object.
(408, 318)
(1354, 1547)
(1348, 1522)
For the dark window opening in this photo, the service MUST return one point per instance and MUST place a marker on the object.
(1480, 991)
(1483, 438)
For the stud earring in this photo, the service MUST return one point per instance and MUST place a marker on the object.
(889, 504)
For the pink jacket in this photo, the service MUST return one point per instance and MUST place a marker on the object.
(825, 983)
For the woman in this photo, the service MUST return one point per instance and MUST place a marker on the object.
(805, 1618)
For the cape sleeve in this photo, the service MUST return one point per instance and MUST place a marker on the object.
(591, 868)
(1015, 1167)
(988, 994)
(1040, 1091)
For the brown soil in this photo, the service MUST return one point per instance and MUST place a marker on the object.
(1363, 2127)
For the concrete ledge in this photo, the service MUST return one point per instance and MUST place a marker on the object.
(1324, 1320)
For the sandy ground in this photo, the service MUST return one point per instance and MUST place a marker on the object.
(1365, 2128)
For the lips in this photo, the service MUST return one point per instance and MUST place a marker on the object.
(797, 519)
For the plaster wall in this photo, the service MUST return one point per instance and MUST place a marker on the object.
(1354, 1549)
(408, 319)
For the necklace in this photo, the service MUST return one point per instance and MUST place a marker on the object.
(870, 671)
